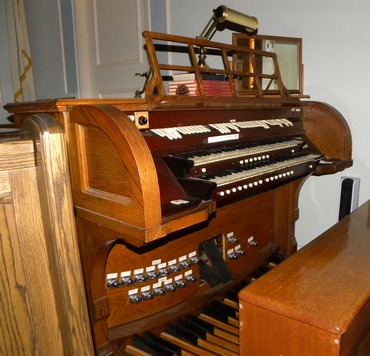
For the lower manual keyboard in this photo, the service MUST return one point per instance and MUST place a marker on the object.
(228, 183)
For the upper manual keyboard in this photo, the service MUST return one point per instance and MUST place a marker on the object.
(200, 162)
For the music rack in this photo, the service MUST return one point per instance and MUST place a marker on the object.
(227, 56)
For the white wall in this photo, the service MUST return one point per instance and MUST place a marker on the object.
(336, 56)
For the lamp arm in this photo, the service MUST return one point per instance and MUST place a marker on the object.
(210, 29)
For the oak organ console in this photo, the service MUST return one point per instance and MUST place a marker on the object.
(180, 199)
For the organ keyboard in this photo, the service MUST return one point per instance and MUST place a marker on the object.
(243, 167)
(180, 199)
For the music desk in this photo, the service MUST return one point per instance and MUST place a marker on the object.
(317, 302)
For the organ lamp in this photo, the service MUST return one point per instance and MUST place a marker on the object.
(224, 17)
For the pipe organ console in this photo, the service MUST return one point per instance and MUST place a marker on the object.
(181, 200)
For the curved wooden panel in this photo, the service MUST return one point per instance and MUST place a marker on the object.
(113, 172)
(328, 131)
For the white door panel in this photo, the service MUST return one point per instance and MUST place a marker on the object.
(114, 50)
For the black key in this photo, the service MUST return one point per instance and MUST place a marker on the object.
(164, 344)
(142, 344)
(201, 153)
(232, 294)
(193, 328)
(181, 333)
(215, 313)
(224, 309)
(200, 323)
(215, 150)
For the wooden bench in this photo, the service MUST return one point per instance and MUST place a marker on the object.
(317, 302)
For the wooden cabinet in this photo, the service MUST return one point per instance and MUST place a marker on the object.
(42, 299)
